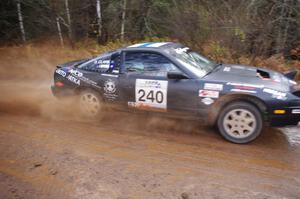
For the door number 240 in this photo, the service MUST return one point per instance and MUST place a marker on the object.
(151, 95)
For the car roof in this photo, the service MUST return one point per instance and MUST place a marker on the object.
(155, 45)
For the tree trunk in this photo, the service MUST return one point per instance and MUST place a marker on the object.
(59, 32)
(69, 21)
(287, 25)
(123, 20)
(20, 16)
(99, 20)
(279, 43)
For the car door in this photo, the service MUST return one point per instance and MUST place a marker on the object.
(145, 85)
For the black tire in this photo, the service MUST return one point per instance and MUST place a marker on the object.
(90, 104)
(240, 122)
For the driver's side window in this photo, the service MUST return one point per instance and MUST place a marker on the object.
(100, 64)
(105, 64)
(148, 63)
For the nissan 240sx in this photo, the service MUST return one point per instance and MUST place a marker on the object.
(170, 79)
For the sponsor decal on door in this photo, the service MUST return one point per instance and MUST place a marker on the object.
(151, 94)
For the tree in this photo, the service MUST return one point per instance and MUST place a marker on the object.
(59, 32)
(19, 10)
(99, 20)
(69, 21)
(123, 19)
(254, 27)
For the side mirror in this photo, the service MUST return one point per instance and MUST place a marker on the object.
(176, 75)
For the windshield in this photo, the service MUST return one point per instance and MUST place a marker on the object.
(193, 61)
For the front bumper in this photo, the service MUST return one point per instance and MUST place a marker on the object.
(290, 118)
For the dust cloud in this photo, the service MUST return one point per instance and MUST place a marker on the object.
(26, 74)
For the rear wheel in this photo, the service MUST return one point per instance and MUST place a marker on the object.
(90, 103)
(240, 122)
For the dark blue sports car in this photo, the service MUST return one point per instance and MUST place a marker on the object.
(170, 79)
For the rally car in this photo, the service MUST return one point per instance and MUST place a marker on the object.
(169, 79)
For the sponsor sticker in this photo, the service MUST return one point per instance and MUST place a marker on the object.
(76, 73)
(208, 93)
(73, 79)
(245, 85)
(88, 81)
(227, 69)
(110, 86)
(181, 50)
(110, 89)
(151, 93)
(103, 61)
(243, 68)
(109, 75)
(275, 94)
(211, 86)
(132, 104)
(103, 64)
(296, 111)
(79, 77)
(207, 101)
(238, 67)
(61, 72)
(115, 71)
(243, 91)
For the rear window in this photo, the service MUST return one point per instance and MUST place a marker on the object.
(98, 64)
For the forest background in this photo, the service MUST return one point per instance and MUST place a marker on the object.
(264, 33)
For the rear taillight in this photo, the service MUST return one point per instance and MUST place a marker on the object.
(59, 84)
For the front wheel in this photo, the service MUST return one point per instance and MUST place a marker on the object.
(240, 122)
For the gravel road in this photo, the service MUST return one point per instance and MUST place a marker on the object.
(47, 151)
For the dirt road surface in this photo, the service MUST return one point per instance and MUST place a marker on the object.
(47, 151)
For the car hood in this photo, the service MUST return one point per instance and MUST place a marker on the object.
(261, 77)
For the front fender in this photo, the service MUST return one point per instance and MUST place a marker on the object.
(224, 100)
